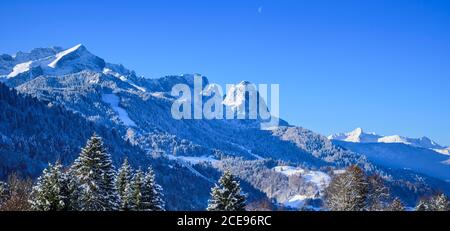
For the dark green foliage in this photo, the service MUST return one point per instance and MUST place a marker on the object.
(96, 177)
(227, 195)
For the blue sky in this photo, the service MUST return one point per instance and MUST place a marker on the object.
(383, 65)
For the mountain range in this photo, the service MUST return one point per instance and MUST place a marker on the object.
(419, 154)
(359, 136)
(80, 93)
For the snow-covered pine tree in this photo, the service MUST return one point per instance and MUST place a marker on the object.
(123, 186)
(47, 193)
(96, 177)
(396, 205)
(422, 206)
(126, 203)
(3, 192)
(71, 190)
(227, 196)
(347, 191)
(377, 195)
(440, 203)
(137, 184)
(152, 196)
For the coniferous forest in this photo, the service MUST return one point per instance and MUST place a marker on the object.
(92, 183)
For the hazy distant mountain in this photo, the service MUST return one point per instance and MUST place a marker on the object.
(359, 136)
(418, 154)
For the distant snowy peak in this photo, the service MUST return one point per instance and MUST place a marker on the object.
(77, 58)
(359, 136)
(50, 61)
(237, 95)
(423, 142)
(356, 136)
(65, 54)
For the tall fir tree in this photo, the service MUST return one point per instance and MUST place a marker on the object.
(96, 177)
(3, 192)
(348, 191)
(126, 203)
(137, 185)
(377, 194)
(47, 194)
(152, 196)
(422, 206)
(123, 185)
(71, 189)
(227, 196)
(440, 203)
(396, 205)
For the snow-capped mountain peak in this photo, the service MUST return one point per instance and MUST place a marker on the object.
(50, 61)
(75, 59)
(393, 139)
(236, 94)
(359, 136)
(64, 53)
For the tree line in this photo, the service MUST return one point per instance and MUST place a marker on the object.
(89, 184)
(353, 190)
(92, 184)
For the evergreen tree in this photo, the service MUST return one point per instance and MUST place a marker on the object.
(123, 182)
(422, 206)
(137, 184)
(126, 203)
(71, 191)
(396, 205)
(348, 191)
(440, 203)
(96, 177)
(227, 195)
(377, 194)
(3, 192)
(152, 196)
(47, 194)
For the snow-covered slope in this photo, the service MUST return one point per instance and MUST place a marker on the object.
(445, 151)
(114, 101)
(20, 68)
(316, 179)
